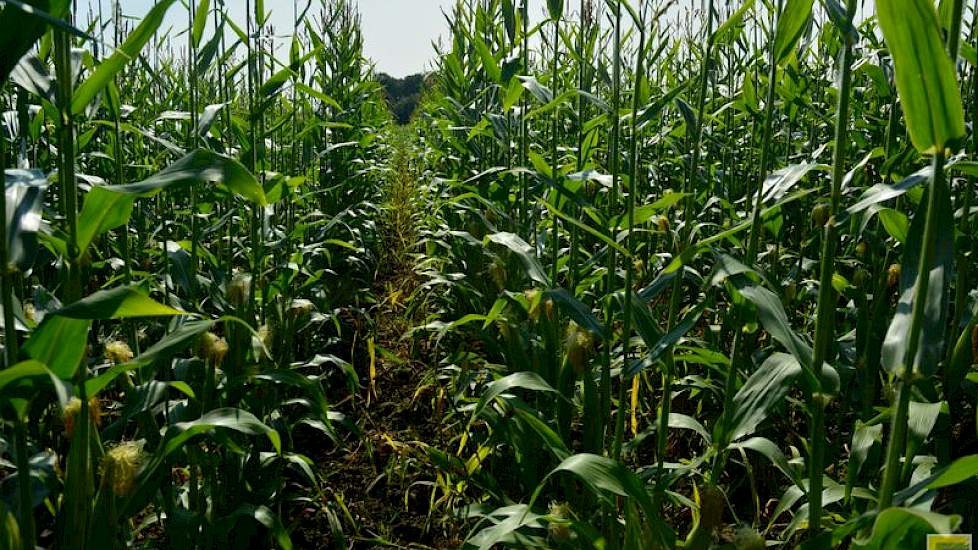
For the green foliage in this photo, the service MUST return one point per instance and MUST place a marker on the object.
(925, 76)
(174, 237)
(734, 268)
(610, 271)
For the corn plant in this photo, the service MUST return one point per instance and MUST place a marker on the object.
(669, 274)
(725, 259)
(156, 356)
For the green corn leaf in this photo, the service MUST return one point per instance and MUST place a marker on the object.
(771, 451)
(274, 84)
(791, 25)
(229, 419)
(727, 267)
(181, 433)
(931, 345)
(903, 528)
(960, 470)
(605, 477)
(60, 343)
(526, 255)
(25, 198)
(550, 439)
(779, 182)
(21, 383)
(522, 380)
(505, 523)
(749, 97)
(768, 386)
(661, 343)
(730, 29)
(540, 92)
(606, 239)
(650, 113)
(555, 8)
(208, 117)
(33, 75)
(179, 265)
(20, 372)
(896, 223)
(109, 206)
(962, 357)
(969, 54)
(968, 167)
(925, 76)
(945, 12)
(207, 54)
(839, 15)
(306, 89)
(102, 211)
(243, 36)
(645, 213)
(555, 103)
(602, 476)
(262, 515)
(128, 51)
(686, 422)
(489, 63)
(200, 21)
(775, 320)
(693, 251)
(172, 343)
(122, 302)
(863, 440)
(632, 12)
(22, 24)
(309, 387)
(295, 52)
(513, 92)
(882, 192)
(921, 419)
(577, 311)
(509, 19)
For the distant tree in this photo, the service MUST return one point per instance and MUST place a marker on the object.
(402, 94)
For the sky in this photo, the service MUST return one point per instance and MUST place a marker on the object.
(397, 33)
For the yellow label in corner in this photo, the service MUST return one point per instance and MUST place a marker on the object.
(949, 542)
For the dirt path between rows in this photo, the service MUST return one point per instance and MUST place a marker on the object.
(379, 490)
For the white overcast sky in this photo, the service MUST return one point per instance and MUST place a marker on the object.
(397, 33)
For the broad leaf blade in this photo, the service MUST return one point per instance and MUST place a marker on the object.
(775, 321)
(526, 255)
(200, 21)
(931, 344)
(128, 51)
(791, 25)
(200, 166)
(25, 197)
(765, 388)
(60, 343)
(521, 380)
(19, 30)
(925, 76)
(231, 419)
(730, 29)
(118, 303)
